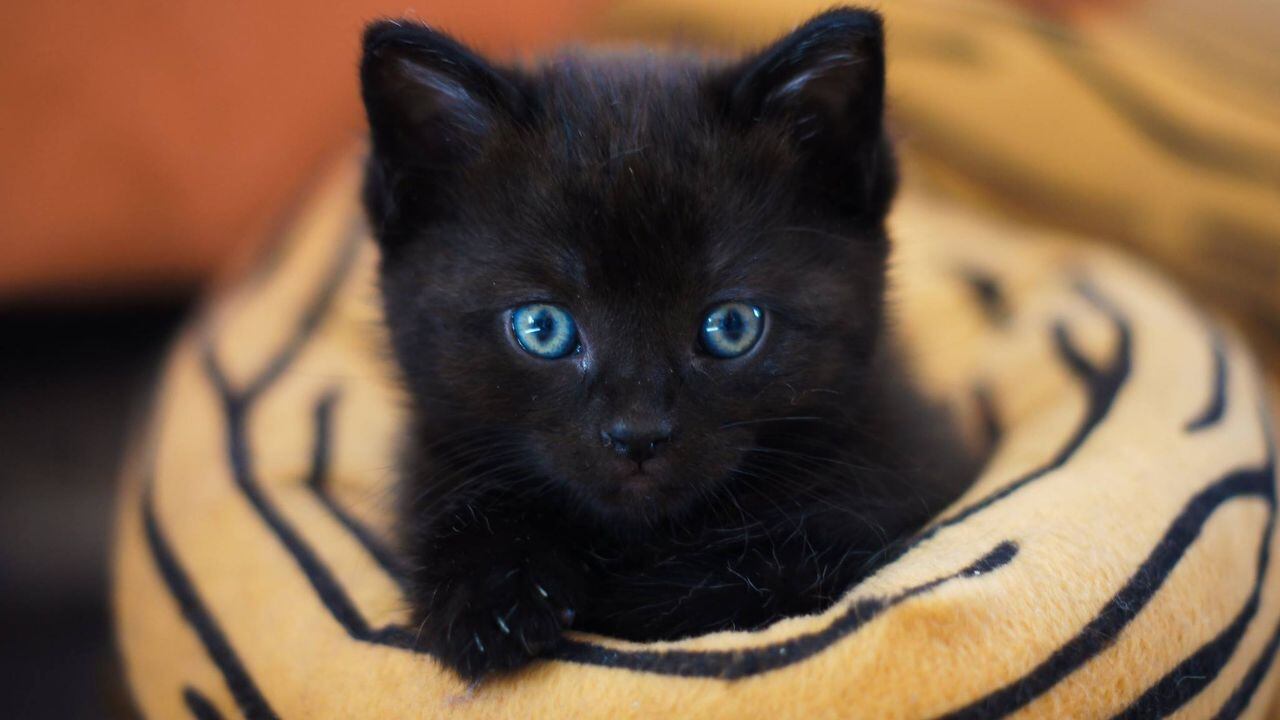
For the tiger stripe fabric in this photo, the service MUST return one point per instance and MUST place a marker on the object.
(1115, 558)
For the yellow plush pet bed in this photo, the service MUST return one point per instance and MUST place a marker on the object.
(1114, 559)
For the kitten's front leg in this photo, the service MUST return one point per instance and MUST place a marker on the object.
(494, 588)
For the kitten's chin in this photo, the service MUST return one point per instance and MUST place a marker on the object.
(640, 497)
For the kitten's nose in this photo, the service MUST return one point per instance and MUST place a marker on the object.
(637, 441)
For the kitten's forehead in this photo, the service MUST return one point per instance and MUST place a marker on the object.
(631, 186)
(621, 96)
(642, 181)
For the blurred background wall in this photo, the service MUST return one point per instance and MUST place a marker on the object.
(147, 149)
(145, 143)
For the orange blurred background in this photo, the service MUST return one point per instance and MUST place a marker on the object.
(145, 143)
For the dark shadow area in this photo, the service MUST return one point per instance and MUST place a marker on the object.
(74, 383)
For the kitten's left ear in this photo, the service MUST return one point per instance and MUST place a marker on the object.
(824, 83)
(433, 105)
(430, 99)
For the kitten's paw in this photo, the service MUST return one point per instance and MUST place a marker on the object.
(498, 621)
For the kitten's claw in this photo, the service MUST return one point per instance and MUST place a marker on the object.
(500, 620)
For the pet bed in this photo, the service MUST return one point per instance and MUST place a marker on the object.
(1114, 559)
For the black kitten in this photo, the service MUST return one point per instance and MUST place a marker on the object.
(638, 303)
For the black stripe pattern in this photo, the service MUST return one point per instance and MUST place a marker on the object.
(245, 691)
(1102, 385)
(199, 705)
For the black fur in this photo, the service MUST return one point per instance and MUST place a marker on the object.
(637, 191)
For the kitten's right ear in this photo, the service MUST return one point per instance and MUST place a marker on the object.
(431, 102)
(824, 84)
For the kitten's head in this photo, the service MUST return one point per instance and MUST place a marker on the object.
(623, 274)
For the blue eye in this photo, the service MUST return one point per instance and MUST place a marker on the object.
(731, 329)
(544, 331)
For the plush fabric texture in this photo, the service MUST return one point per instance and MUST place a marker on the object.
(1115, 557)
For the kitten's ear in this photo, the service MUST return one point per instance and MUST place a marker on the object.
(825, 83)
(432, 103)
